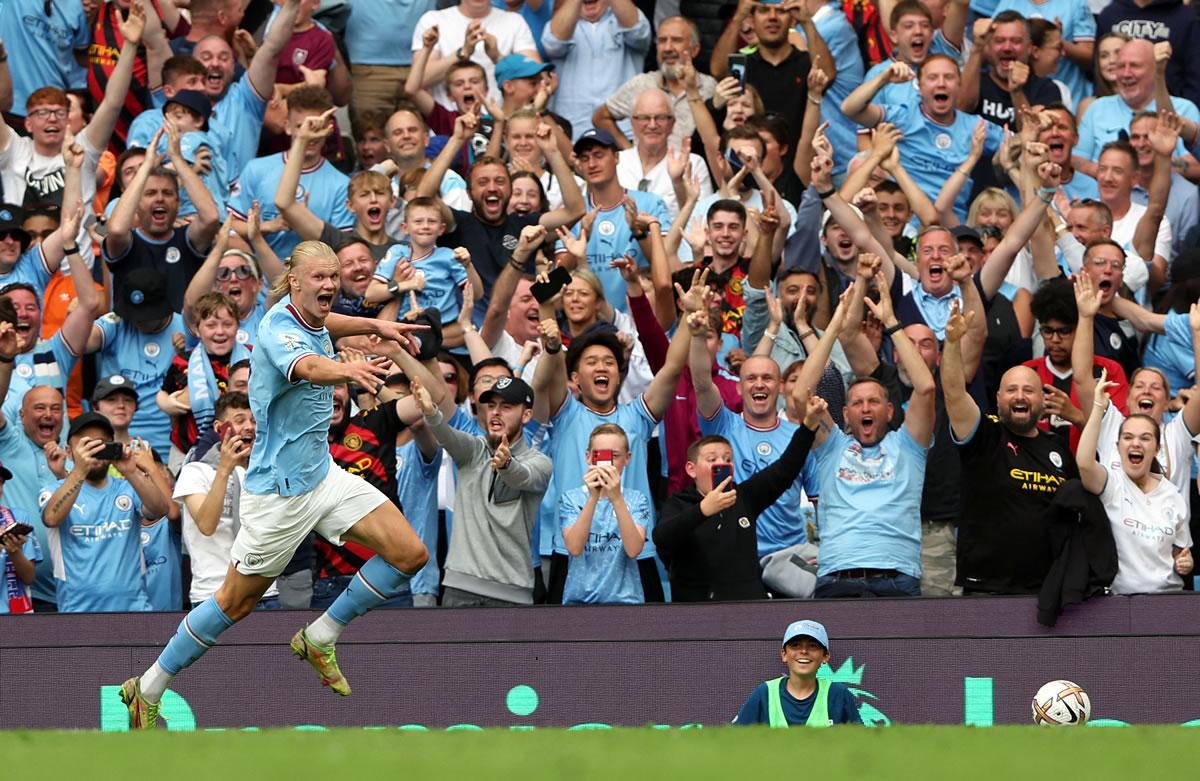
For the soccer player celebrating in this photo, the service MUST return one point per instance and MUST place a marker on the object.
(291, 489)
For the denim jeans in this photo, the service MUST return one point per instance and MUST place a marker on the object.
(326, 590)
(899, 585)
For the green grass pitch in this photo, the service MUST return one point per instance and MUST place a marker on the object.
(726, 753)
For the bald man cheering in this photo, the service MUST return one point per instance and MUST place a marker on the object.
(1012, 469)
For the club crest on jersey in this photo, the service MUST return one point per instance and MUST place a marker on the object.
(763, 448)
(744, 522)
(942, 141)
(1115, 340)
(509, 242)
(299, 56)
(151, 349)
(242, 336)
(172, 255)
(123, 503)
(607, 228)
(352, 441)
(1056, 459)
(145, 538)
(25, 371)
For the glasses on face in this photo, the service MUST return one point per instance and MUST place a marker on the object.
(1113, 263)
(47, 113)
(485, 381)
(241, 272)
(648, 119)
(1050, 332)
(11, 235)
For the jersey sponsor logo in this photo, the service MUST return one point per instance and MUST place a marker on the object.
(123, 503)
(152, 349)
(1056, 459)
(606, 228)
(1035, 481)
(98, 532)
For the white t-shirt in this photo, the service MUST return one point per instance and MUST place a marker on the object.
(511, 31)
(1174, 450)
(209, 553)
(1145, 527)
(1123, 229)
(658, 181)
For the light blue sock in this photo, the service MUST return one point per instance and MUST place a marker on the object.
(375, 583)
(197, 633)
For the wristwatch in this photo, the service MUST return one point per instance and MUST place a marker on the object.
(394, 288)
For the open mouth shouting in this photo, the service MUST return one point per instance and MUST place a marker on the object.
(1136, 455)
(1145, 405)
(602, 382)
(867, 428)
(375, 215)
(214, 81)
(324, 302)
(918, 47)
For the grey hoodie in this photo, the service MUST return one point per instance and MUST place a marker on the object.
(494, 515)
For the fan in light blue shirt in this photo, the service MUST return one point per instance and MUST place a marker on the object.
(839, 36)
(323, 185)
(416, 487)
(41, 38)
(444, 278)
(603, 572)
(1078, 26)
(1109, 116)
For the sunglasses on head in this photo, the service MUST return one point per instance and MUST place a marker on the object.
(242, 272)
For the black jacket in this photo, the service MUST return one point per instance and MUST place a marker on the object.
(1085, 555)
(717, 558)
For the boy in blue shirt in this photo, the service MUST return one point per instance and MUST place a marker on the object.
(190, 110)
(604, 525)
(800, 699)
(440, 272)
(95, 521)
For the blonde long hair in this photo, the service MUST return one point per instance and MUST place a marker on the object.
(280, 287)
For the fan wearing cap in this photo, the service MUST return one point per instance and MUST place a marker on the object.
(597, 45)
(190, 111)
(33, 262)
(134, 348)
(116, 399)
(20, 554)
(488, 231)
(501, 481)
(612, 237)
(95, 521)
(800, 698)
(142, 231)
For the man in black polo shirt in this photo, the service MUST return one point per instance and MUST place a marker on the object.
(488, 231)
(142, 230)
(1011, 470)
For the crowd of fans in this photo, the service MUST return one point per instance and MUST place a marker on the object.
(724, 301)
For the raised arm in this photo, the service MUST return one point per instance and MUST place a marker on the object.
(845, 216)
(858, 106)
(919, 415)
(120, 225)
(855, 344)
(1163, 138)
(204, 223)
(661, 392)
(814, 365)
(100, 128)
(550, 378)
(727, 44)
(264, 65)
(943, 207)
(1091, 473)
(818, 81)
(1191, 410)
(566, 16)
(960, 407)
(818, 50)
(918, 201)
(494, 320)
(1021, 231)
(431, 181)
(573, 206)
(414, 86)
(968, 94)
(298, 216)
(708, 398)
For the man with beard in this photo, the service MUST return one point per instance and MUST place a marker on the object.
(358, 268)
(1008, 85)
(937, 136)
(142, 231)
(596, 45)
(364, 444)
(1059, 323)
(488, 231)
(501, 481)
(407, 136)
(95, 522)
(866, 553)
(677, 43)
(1011, 471)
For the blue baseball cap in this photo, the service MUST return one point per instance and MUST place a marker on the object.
(518, 66)
(595, 137)
(806, 628)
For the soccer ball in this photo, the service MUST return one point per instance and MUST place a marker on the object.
(1061, 703)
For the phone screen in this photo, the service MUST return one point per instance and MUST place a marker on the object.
(602, 458)
(737, 68)
(720, 473)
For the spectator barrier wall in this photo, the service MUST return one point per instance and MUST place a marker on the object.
(950, 661)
